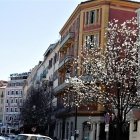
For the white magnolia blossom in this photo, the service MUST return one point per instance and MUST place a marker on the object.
(109, 75)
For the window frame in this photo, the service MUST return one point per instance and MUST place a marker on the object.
(89, 36)
(92, 16)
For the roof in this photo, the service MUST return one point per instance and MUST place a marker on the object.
(133, 1)
(50, 49)
(3, 83)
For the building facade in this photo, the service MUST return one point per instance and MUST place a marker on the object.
(3, 85)
(30, 81)
(51, 59)
(135, 113)
(88, 20)
(46, 74)
(13, 100)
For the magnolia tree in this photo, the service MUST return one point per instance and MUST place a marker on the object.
(109, 75)
(81, 89)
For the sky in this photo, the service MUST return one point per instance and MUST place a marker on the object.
(27, 28)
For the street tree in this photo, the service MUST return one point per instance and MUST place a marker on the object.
(34, 110)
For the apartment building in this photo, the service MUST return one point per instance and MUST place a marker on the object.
(135, 113)
(46, 74)
(3, 85)
(51, 59)
(13, 100)
(30, 80)
(89, 20)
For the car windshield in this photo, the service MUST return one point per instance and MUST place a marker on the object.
(21, 137)
(43, 138)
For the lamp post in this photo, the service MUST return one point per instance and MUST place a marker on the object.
(68, 80)
(33, 129)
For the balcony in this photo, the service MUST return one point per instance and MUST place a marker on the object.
(60, 88)
(66, 59)
(66, 39)
(61, 110)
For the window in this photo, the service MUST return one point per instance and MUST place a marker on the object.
(135, 125)
(12, 101)
(1, 101)
(21, 137)
(17, 84)
(33, 138)
(11, 109)
(15, 117)
(44, 74)
(92, 40)
(16, 92)
(92, 16)
(43, 138)
(50, 63)
(7, 109)
(20, 100)
(8, 93)
(16, 100)
(2, 94)
(12, 93)
(10, 118)
(55, 58)
(55, 75)
(16, 110)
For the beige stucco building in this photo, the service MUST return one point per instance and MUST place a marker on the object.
(135, 113)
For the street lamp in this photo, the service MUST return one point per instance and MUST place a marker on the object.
(70, 80)
(33, 127)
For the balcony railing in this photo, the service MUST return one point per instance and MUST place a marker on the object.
(61, 111)
(60, 87)
(68, 37)
(66, 59)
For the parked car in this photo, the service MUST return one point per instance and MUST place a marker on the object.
(31, 137)
(12, 136)
(3, 138)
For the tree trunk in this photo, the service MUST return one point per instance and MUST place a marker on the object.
(119, 131)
